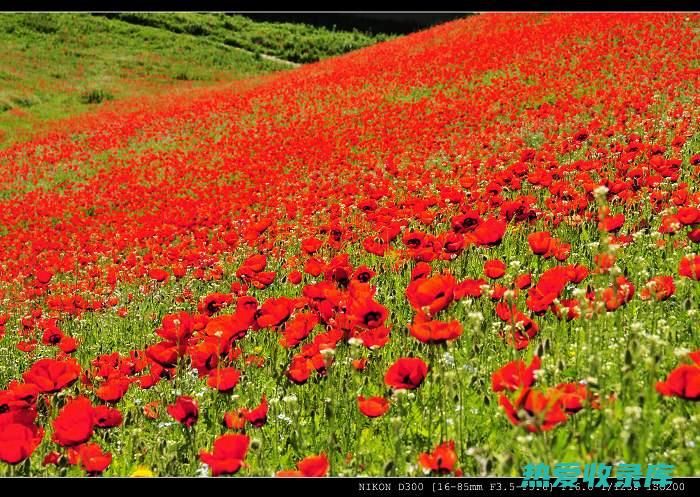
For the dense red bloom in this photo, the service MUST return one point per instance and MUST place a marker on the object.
(224, 379)
(213, 303)
(367, 313)
(75, 423)
(18, 441)
(618, 294)
(469, 288)
(494, 268)
(185, 411)
(275, 311)
(539, 242)
(372, 407)
(515, 375)
(432, 294)
(612, 223)
(684, 381)
(523, 281)
(441, 461)
(234, 420)
(406, 373)
(690, 267)
(659, 287)
(490, 232)
(255, 263)
(314, 466)
(299, 370)
(311, 245)
(257, 416)
(534, 410)
(106, 417)
(294, 277)
(164, 353)
(43, 276)
(113, 389)
(159, 274)
(51, 375)
(571, 396)
(93, 459)
(436, 331)
(421, 270)
(228, 454)
(298, 328)
(176, 328)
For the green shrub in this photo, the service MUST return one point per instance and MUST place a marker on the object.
(95, 96)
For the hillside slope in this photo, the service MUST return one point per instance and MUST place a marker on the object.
(56, 65)
(324, 232)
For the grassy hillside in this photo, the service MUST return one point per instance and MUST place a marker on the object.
(58, 65)
(299, 43)
(53, 66)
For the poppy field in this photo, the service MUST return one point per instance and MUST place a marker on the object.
(455, 252)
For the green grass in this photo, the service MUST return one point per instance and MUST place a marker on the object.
(58, 65)
(300, 43)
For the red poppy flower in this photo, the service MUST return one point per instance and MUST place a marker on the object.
(436, 331)
(257, 416)
(113, 389)
(469, 288)
(372, 407)
(165, 354)
(613, 223)
(534, 410)
(294, 277)
(299, 370)
(441, 461)
(490, 232)
(234, 420)
(158, 274)
(314, 466)
(367, 313)
(360, 364)
(224, 379)
(43, 277)
(539, 242)
(185, 411)
(311, 245)
(660, 288)
(690, 267)
(514, 375)
(275, 311)
(228, 454)
(523, 281)
(683, 382)
(431, 294)
(571, 396)
(494, 268)
(93, 459)
(213, 303)
(18, 442)
(75, 423)
(106, 417)
(51, 375)
(176, 328)
(406, 373)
